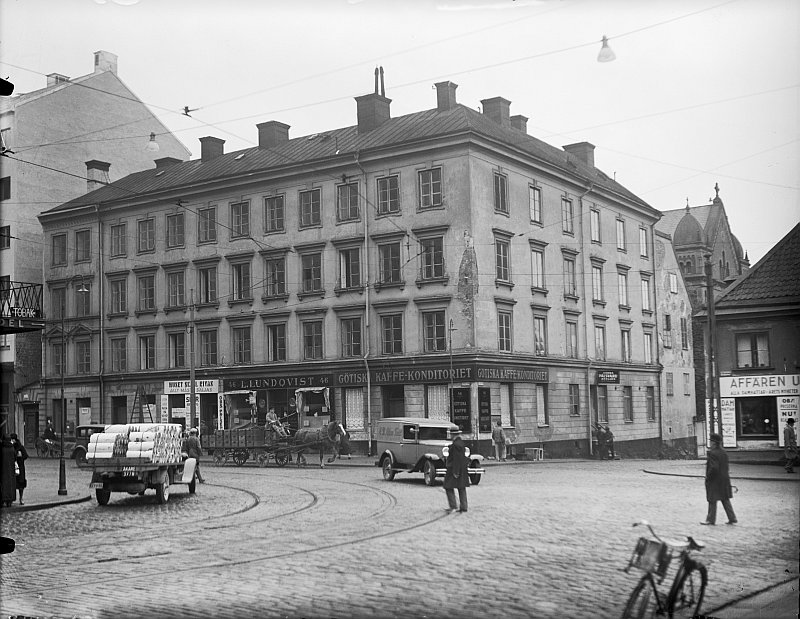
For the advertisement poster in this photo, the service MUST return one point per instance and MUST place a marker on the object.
(484, 409)
(462, 409)
(787, 407)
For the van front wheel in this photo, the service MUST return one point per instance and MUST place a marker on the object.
(429, 473)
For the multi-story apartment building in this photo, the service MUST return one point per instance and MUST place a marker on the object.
(49, 137)
(443, 264)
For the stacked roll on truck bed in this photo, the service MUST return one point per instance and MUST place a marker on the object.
(135, 443)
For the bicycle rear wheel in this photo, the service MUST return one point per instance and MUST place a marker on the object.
(645, 601)
(688, 594)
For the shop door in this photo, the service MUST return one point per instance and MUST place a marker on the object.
(394, 403)
(119, 409)
(31, 412)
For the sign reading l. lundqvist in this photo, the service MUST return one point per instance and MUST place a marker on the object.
(770, 385)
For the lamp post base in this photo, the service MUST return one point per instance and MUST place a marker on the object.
(62, 477)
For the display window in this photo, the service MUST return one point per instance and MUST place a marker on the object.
(757, 417)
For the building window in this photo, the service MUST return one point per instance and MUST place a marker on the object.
(673, 283)
(757, 416)
(242, 349)
(350, 268)
(392, 334)
(650, 403)
(147, 352)
(147, 293)
(311, 265)
(59, 249)
(667, 333)
(389, 263)
(648, 347)
(208, 347)
(207, 277)
(622, 287)
(388, 195)
(537, 268)
(147, 235)
(351, 337)
(602, 403)
(626, 345)
(684, 334)
(119, 354)
(83, 357)
(177, 350)
(175, 230)
(535, 203)
(347, 202)
(240, 219)
(643, 243)
(119, 296)
(433, 329)
(276, 342)
(627, 403)
(621, 235)
(504, 331)
(752, 350)
(83, 246)
(241, 281)
(572, 339)
(119, 240)
(687, 384)
(5, 188)
(574, 400)
(542, 412)
(597, 283)
(600, 342)
(501, 193)
(207, 225)
(275, 277)
(646, 295)
(273, 214)
(432, 257)
(312, 340)
(430, 188)
(567, 225)
(594, 225)
(310, 208)
(501, 260)
(176, 289)
(5, 237)
(83, 301)
(539, 336)
(58, 360)
(670, 384)
(570, 282)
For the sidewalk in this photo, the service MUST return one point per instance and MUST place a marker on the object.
(42, 490)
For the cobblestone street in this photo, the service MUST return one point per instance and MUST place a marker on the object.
(540, 540)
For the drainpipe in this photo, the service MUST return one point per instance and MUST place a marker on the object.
(366, 309)
(101, 293)
(587, 316)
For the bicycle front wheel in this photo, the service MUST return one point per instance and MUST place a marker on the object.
(688, 594)
(644, 601)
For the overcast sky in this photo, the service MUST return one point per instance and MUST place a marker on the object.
(701, 92)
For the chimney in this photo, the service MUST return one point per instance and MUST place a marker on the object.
(211, 148)
(497, 108)
(56, 78)
(445, 96)
(166, 162)
(520, 123)
(372, 110)
(272, 133)
(105, 61)
(583, 151)
(96, 174)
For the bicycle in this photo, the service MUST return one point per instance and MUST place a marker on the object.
(653, 556)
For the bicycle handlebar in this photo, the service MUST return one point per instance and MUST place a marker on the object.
(691, 543)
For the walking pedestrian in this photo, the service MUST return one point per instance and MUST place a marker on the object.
(456, 476)
(499, 438)
(20, 455)
(718, 482)
(191, 446)
(610, 444)
(602, 445)
(790, 445)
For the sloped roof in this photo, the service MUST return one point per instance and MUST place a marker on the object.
(773, 279)
(415, 127)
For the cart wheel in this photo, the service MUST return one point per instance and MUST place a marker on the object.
(240, 457)
(263, 459)
(162, 490)
(102, 496)
(219, 458)
(281, 458)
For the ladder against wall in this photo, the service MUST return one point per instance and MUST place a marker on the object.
(140, 405)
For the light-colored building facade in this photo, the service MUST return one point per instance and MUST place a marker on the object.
(378, 270)
(48, 136)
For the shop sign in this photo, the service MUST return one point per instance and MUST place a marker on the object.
(458, 374)
(276, 382)
(25, 312)
(462, 409)
(484, 409)
(513, 375)
(172, 387)
(749, 386)
(607, 377)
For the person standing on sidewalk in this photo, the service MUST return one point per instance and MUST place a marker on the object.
(191, 445)
(499, 438)
(457, 476)
(20, 455)
(790, 445)
(718, 482)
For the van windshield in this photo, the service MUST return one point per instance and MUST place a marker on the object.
(432, 434)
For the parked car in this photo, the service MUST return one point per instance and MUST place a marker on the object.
(419, 445)
(82, 434)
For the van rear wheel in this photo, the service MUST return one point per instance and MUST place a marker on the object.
(388, 471)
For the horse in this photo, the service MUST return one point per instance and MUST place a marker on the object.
(332, 435)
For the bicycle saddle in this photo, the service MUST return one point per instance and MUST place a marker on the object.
(695, 544)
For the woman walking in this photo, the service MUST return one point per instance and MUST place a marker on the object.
(20, 455)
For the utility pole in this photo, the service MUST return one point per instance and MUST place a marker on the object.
(62, 466)
(712, 340)
(192, 389)
(450, 330)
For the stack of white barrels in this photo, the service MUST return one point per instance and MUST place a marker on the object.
(159, 443)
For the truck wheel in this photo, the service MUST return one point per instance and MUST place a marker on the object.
(475, 478)
(429, 473)
(102, 496)
(388, 471)
(162, 490)
(80, 455)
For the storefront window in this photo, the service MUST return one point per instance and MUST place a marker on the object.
(757, 417)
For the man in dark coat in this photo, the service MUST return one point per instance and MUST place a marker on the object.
(457, 476)
(718, 482)
(191, 446)
(20, 455)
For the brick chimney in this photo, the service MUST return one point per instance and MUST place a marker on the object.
(445, 96)
(372, 111)
(520, 123)
(497, 109)
(272, 133)
(583, 151)
(211, 148)
(166, 162)
(105, 61)
(96, 174)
